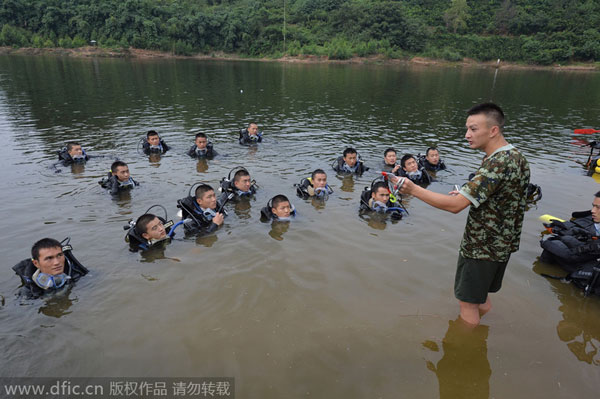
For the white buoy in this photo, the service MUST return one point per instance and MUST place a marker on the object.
(241, 91)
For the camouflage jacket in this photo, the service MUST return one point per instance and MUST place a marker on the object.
(497, 195)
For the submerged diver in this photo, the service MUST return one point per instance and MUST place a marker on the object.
(314, 186)
(377, 199)
(153, 144)
(202, 148)
(411, 169)
(431, 160)
(51, 267)
(72, 153)
(242, 186)
(250, 135)
(574, 247)
(389, 161)
(149, 231)
(349, 163)
(118, 178)
(279, 209)
(201, 214)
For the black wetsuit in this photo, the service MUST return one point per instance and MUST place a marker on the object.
(112, 184)
(209, 152)
(147, 150)
(246, 139)
(429, 166)
(359, 168)
(195, 220)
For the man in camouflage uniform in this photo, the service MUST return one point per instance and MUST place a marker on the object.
(497, 196)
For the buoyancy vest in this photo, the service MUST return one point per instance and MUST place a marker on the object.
(195, 220)
(425, 177)
(422, 159)
(160, 149)
(366, 205)
(209, 152)
(359, 168)
(305, 189)
(25, 270)
(137, 242)
(113, 185)
(67, 159)
(247, 139)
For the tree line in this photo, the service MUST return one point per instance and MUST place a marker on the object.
(534, 31)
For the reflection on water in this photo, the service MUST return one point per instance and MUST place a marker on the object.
(58, 304)
(578, 327)
(278, 229)
(464, 370)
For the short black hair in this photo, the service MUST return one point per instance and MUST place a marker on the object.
(151, 133)
(71, 144)
(44, 243)
(491, 111)
(141, 225)
(597, 194)
(203, 189)
(278, 199)
(405, 158)
(117, 164)
(252, 123)
(391, 149)
(317, 172)
(431, 149)
(377, 186)
(349, 150)
(239, 174)
(201, 135)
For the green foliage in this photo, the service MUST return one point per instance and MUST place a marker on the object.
(536, 31)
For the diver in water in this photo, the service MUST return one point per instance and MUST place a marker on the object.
(314, 186)
(202, 213)
(411, 169)
(72, 153)
(202, 148)
(118, 178)
(431, 160)
(149, 231)
(349, 163)
(250, 135)
(242, 186)
(279, 209)
(389, 161)
(377, 199)
(51, 267)
(153, 144)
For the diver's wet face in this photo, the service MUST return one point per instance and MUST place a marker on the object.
(320, 180)
(201, 143)
(596, 210)
(208, 200)
(382, 195)
(76, 151)
(390, 158)
(243, 183)
(433, 157)
(351, 159)
(410, 165)
(283, 210)
(154, 140)
(253, 129)
(122, 173)
(155, 230)
(50, 261)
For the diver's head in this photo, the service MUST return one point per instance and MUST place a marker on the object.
(485, 126)
(252, 129)
(380, 192)
(390, 157)
(241, 180)
(206, 197)
(596, 208)
(409, 163)
(74, 149)
(120, 170)
(201, 141)
(47, 255)
(350, 156)
(150, 227)
(153, 138)
(319, 178)
(281, 207)
(432, 155)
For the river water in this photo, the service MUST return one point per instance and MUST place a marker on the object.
(335, 305)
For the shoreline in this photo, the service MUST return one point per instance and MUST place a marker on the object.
(90, 52)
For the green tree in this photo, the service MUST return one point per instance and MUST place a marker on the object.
(457, 15)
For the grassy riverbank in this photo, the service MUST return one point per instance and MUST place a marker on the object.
(91, 51)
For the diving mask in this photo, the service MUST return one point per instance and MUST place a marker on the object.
(379, 206)
(47, 281)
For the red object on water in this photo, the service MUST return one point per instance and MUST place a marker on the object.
(585, 131)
